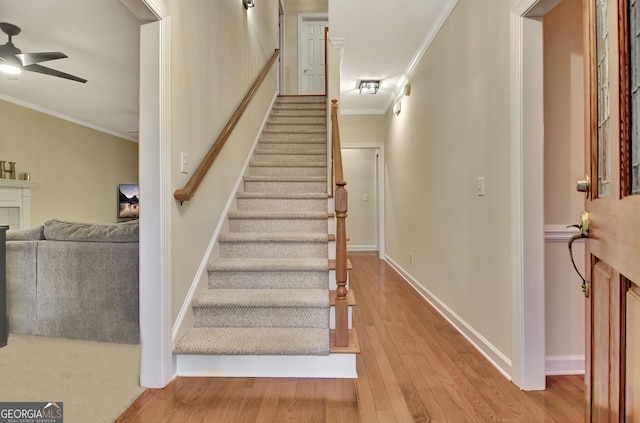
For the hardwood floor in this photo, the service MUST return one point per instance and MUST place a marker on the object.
(413, 367)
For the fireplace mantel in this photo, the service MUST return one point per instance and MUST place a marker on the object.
(17, 194)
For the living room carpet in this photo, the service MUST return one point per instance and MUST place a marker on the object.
(95, 381)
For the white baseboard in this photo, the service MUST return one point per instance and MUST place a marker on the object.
(341, 366)
(488, 350)
(564, 365)
(356, 248)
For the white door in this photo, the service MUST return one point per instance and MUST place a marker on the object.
(311, 55)
(361, 173)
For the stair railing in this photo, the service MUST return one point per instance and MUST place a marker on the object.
(186, 193)
(341, 206)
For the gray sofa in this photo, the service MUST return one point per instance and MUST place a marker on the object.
(74, 280)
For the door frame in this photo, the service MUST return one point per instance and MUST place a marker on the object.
(156, 366)
(281, 41)
(302, 17)
(527, 193)
(380, 217)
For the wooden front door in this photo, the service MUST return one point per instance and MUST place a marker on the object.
(613, 250)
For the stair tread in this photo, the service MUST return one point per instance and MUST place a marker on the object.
(282, 298)
(287, 164)
(274, 237)
(242, 214)
(284, 178)
(283, 195)
(254, 341)
(308, 152)
(269, 264)
(352, 348)
(351, 297)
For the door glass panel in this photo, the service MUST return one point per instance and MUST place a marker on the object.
(602, 56)
(634, 84)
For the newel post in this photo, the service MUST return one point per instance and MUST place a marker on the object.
(342, 307)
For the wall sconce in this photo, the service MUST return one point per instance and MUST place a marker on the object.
(248, 3)
(397, 108)
(369, 86)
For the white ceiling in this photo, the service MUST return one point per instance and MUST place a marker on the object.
(382, 39)
(101, 39)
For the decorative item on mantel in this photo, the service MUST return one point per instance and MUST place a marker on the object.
(7, 170)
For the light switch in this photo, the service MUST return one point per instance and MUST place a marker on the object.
(365, 197)
(184, 163)
(481, 186)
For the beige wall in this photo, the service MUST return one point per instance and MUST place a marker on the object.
(292, 9)
(360, 174)
(79, 168)
(217, 51)
(363, 129)
(453, 129)
(564, 164)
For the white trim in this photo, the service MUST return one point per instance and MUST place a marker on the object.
(424, 46)
(564, 365)
(321, 17)
(298, 366)
(156, 365)
(58, 115)
(380, 194)
(559, 233)
(201, 274)
(527, 195)
(488, 350)
(356, 248)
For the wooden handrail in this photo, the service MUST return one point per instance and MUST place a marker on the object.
(341, 206)
(186, 193)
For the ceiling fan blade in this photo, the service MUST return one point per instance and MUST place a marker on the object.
(33, 58)
(53, 72)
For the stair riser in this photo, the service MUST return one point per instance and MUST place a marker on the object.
(294, 137)
(245, 317)
(263, 280)
(286, 171)
(297, 120)
(273, 249)
(290, 146)
(292, 105)
(268, 204)
(282, 112)
(278, 225)
(290, 158)
(297, 187)
(302, 130)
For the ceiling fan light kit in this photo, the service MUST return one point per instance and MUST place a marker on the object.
(13, 61)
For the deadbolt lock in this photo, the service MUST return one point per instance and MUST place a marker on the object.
(582, 185)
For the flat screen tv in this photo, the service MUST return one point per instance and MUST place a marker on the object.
(128, 201)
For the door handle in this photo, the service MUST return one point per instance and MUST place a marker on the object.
(584, 233)
(583, 185)
(306, 70)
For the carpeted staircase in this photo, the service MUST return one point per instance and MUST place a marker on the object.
(269, 289)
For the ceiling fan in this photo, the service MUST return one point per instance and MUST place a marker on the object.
(13, 61)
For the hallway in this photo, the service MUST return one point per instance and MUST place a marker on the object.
(413, 367)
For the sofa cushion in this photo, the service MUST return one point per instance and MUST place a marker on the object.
(33, 234)
(60, 230)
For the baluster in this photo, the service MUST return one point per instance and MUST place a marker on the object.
(342, 307)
